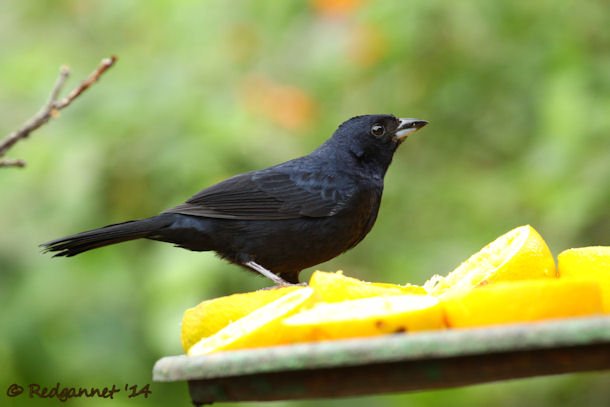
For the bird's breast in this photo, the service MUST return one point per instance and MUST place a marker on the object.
(361, 215)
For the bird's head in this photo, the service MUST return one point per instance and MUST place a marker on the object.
(374, 138)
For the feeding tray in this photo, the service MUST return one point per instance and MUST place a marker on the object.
(393, 363)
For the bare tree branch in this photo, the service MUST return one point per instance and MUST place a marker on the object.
(51, 109)
(10, 162)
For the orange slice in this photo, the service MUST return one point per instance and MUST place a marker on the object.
(259, 328)
(588, 263)
(212, 315)
(333, 287)
(523, 301)
(517, 255)
(366, 317)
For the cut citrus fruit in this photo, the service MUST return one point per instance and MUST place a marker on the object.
(523, 301)
(590, 263)
(333, 287)
(413, 289)
(212, 315)
(517, 255)
(366, 317)
(259, 328)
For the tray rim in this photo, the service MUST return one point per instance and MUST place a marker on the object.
(449, 343)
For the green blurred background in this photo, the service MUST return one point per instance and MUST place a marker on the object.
(517, 93)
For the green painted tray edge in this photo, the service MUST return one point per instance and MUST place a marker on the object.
(388, 348)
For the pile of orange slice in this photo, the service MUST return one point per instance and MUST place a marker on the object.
(511, 280)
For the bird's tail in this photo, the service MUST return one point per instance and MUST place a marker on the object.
(121, 232)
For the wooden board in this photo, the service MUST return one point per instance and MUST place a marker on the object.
(393, 363)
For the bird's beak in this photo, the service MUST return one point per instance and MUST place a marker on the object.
(406, 127)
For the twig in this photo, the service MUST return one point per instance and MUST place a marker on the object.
(10, 162)
(51, 109)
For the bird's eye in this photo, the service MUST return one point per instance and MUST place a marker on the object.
(377, 130)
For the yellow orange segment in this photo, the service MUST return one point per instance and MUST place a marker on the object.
(588, 263)
(333, 287)
(212, 315)
(523, 301)
(261, 327)
(519, 254)
(511, 280)
(413, 289)
(366, 317)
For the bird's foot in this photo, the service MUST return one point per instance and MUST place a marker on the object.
(279, 281)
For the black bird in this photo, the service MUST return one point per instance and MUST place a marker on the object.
(282, 219)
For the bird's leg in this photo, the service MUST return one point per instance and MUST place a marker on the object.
(263, 271)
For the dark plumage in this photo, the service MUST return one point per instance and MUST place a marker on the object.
(282, 219)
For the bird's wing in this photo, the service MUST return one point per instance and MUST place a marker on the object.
(271, 194)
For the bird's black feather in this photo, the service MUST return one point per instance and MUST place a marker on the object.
(282, 192)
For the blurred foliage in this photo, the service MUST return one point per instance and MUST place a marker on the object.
(517, 93)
